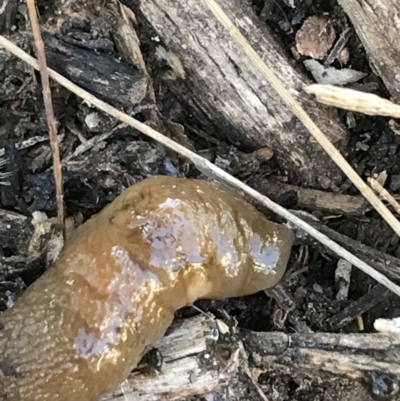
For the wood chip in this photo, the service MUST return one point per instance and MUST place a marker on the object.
(353, 100)
(315, 38)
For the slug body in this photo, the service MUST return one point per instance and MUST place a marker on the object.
(81, 328)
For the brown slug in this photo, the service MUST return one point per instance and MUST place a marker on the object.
(79, 330)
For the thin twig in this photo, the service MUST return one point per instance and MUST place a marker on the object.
(84, 147)
(297, 110)
(51, 121)
(350, 99)
(205, 166)
(383, 193)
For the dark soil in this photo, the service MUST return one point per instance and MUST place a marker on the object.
(96, 177)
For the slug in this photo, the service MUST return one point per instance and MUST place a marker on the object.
(79, 330)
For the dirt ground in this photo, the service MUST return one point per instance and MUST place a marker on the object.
(94, 178)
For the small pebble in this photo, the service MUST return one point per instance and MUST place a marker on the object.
(315, 38)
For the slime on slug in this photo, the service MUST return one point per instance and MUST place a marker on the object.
(80, 329)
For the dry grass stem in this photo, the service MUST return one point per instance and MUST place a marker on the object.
(297, 110)
(206, 167)
(350, 99)
(51, 121)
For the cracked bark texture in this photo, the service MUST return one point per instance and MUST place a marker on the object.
(228, 96)
(377, 23)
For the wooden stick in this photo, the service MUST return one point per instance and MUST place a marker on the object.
(49, 111)
(351, 355)
(205, 167)
(388, 265)
(183, 349)
(312, 199)
(296, 108)
(350, 99)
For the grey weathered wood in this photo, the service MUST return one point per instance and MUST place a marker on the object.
(350, 355)
(311, 199)
(227, 94)
(194, 366)
(377, 25)
(101, 73)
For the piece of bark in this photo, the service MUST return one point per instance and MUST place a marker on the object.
(363, 304)
(377, 25)
(99, 72)
(227, 95)
(386, 264)
(15, 232)
(193, 364)
(311, 199)
(9, 192)
(350, 355)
